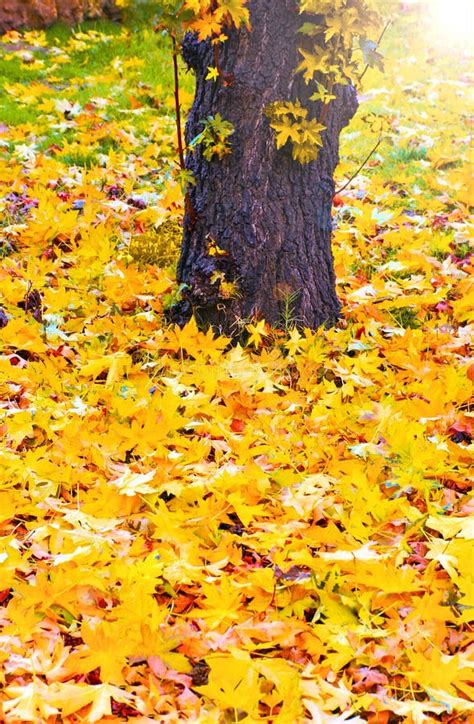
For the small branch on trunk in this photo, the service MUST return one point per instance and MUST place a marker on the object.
(179, 130)
(378, 43)
(177, 103)
(325, 110)
(228, 78)
(366, 160)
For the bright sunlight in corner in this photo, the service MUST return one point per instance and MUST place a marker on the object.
(453, 21)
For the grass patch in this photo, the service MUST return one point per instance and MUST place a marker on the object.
(83, 158)
(405, 317)
(98, 59)
(160, 247)
(407, 155)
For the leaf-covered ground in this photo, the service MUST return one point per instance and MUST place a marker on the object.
(279, 532)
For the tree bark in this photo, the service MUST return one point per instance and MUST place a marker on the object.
(269, 213)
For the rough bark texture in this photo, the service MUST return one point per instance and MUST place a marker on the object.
(271, 214)
(15, 14)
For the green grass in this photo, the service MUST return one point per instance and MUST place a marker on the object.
(84, 159)
(407, 155)
(406, 317)
(90, 72)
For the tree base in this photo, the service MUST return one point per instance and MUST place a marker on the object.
(259, 243)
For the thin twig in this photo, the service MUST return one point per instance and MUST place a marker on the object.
(338, 191)
(188, 204)
(227, 78)
(177, 104)
(325, 108)
(378, 43)
(217, 61)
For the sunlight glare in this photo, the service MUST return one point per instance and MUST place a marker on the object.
(453, 22)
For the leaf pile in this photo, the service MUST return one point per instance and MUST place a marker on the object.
(190, 531)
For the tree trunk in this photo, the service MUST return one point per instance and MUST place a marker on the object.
(271, 214)
(15, 14)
